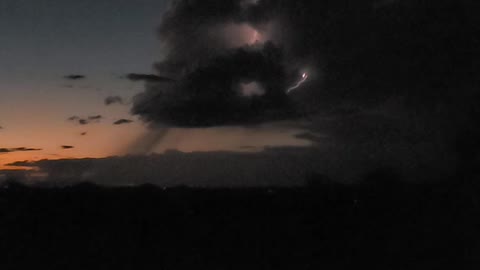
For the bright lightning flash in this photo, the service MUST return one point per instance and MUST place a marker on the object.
(299, 83)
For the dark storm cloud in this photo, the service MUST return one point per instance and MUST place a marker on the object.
(147, 78)
(75, 77)
(394, 78)
(18, 149)
(113, 100)
(405, 74)
(211, 94)
(65, 147)
(85, 120)
(210, 72)
(409, 48)
(122, 122)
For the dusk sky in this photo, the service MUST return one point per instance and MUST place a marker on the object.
(340, 87)
(42, 43)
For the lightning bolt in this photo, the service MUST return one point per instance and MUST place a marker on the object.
(299, 83)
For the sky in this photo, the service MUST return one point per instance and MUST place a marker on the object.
(42, 42)
(339, 88)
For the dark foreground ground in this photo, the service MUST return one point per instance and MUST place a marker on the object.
(323, 226)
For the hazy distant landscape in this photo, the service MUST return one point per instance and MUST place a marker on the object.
(380, 223)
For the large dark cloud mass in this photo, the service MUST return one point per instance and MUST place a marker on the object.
(211, 95)
(210, 72)
(395, 78)
(357, 51)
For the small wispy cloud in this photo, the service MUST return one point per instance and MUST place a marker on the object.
(18, 149)
(95, 117)
(75, 77)
(122, 122)
(85, 120)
